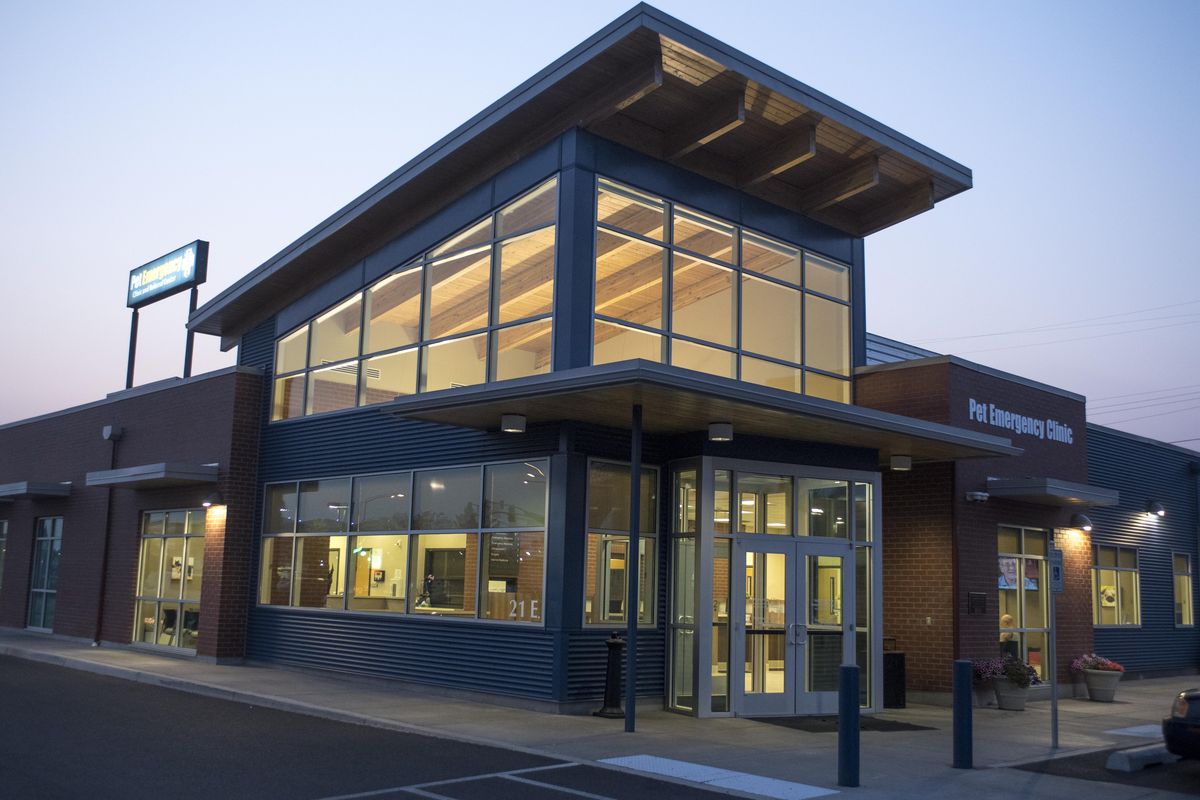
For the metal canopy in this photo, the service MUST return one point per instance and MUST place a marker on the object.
(677, 401)
(154, 476)
(657, 86)
(1051, 492)
(34, 490)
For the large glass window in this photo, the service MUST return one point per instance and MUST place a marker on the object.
(478, 307)
(675, 285)
(43, 583)
(1115, 596)
(169, 578)
(1181, 569)
(606, 588)
(1023, 621)
(462, 541)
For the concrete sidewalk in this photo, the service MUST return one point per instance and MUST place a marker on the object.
(900, 764)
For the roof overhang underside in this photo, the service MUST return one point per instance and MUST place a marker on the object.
(658, 86)
(676, 401)
(1051, 492)
(154, 476)
(33, 490)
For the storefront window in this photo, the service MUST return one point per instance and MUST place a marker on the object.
(1115, 598)
(43, 585)
(352, 544)
(475, 308)
(678, 286)
(1181, 568)
(1023, 622)
(169, 578)
(606, 590)
(764, 504)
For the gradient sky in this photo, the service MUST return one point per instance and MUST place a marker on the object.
(129, 129)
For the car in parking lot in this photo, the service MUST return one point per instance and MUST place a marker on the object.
(1181, 730)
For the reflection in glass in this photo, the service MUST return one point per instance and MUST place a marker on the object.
(514, 495)
(823, 508)
(608, 497)
(381, 502)
(446, 499)
(324, 506)
(279, 511)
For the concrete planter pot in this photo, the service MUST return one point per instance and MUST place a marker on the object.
(984, 696)
(1009, 696)
(1101, 684)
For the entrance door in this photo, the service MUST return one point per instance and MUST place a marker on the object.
(793, 625)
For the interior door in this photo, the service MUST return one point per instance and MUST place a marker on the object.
(825, 630)
(764, 600)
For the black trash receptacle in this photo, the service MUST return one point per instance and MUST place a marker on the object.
(893, 680)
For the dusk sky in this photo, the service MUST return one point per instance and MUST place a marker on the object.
(129, 129)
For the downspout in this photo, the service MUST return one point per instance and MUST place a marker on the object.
(112, 433)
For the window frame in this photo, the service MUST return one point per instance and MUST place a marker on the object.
(1021, 628)
(1190, 576)
(345, 576)
(1136, 571)
(159, 599)
(56, 534)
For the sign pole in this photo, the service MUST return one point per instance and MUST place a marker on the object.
(1056, 586)
(187, 348)
(132, 350)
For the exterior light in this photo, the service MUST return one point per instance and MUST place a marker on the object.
(1155, 509)
(213, 499)
(901, 463)
(512, 423)
(977, 497)
(1081, 521)
(720, 431)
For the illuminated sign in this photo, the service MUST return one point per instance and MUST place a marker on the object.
(1046, 429)
(167, 275)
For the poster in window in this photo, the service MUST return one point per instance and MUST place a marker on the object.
(1108, 597)
(1032, 573)
(1008, 573)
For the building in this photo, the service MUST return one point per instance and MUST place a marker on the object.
(642, 267)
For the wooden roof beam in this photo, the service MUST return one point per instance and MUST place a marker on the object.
(910, 202)
(720, 119)
(795, 148)
(604, 103)
(841, 186)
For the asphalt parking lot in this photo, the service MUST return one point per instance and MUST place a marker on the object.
(1182, 777)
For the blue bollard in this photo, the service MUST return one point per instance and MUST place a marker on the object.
(848, 750)
(963, 756)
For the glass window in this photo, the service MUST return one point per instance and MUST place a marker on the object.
(827, 277)
(769, 373)
(764, 504)
(722, 491)
(381, 502)
(443, 573)
(703, 300)
(470, 237)
(318, 566)
(719, 662)
(378, 573)
(324, 506)
(683, 622)
(526, 276)
(43, 584)
(291, 352)
(536, 208)
(686, 497)
(453, 363)
(862, 512)
(1115, 599)
(151, 567)
(704, 235)
(629, 279)
(458, 293)
(827, 334)
(394, 312)
(1023, 602)
(513, 567)
(288, 399)
(388, 377)
(280, 512)
(608, 497)
(446, 499)
(171, 571)
(622, 207)
(606, 587)
(769, 257)
(823, 508)
(335, 333)
(703, 359)
(275, 571)
(771, 319)
(1181, 568)
(827, 388)
(522, 350)
(619, 343)
(333, 388)
(514, 495)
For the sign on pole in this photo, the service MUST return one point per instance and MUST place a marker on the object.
(1056, 570)
(167, 275)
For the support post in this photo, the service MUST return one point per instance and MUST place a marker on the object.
(132, 349)
(963, 755)
(1053, 659)
(631, 566)
(848, 735)
(187, 346)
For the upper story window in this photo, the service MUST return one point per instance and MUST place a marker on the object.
(475, 308)
(680, 287)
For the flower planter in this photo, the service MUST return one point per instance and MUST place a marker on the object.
(985, 696)
(1009, 696)
(1101, 684)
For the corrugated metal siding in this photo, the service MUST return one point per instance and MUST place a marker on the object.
(882, 350)
(587, 661)
(257, 348)
(1143, 472)
(492, 658)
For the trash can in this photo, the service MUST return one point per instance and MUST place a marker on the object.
(893, 680)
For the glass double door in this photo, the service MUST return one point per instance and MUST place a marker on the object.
(793, 625)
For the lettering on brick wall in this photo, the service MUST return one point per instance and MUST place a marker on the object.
(1046, 429)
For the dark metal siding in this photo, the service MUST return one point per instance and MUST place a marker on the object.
(257, 348)
(1144, 472)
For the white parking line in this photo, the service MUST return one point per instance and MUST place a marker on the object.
(722, 778)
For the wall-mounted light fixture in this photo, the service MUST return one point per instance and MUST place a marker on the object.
(720, 431)
(512, 423)
(213, 499)
(1081, 521)
(977, 497)
(901, 463)
(1155, 509)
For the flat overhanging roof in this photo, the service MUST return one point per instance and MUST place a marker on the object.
(154, 476)
(1051, 492)
(34, 490)
(677, 401)
(657, 86)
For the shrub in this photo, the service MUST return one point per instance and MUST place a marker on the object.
(1093, 661)
(986, 670)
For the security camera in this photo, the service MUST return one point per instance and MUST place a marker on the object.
(977, 497)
